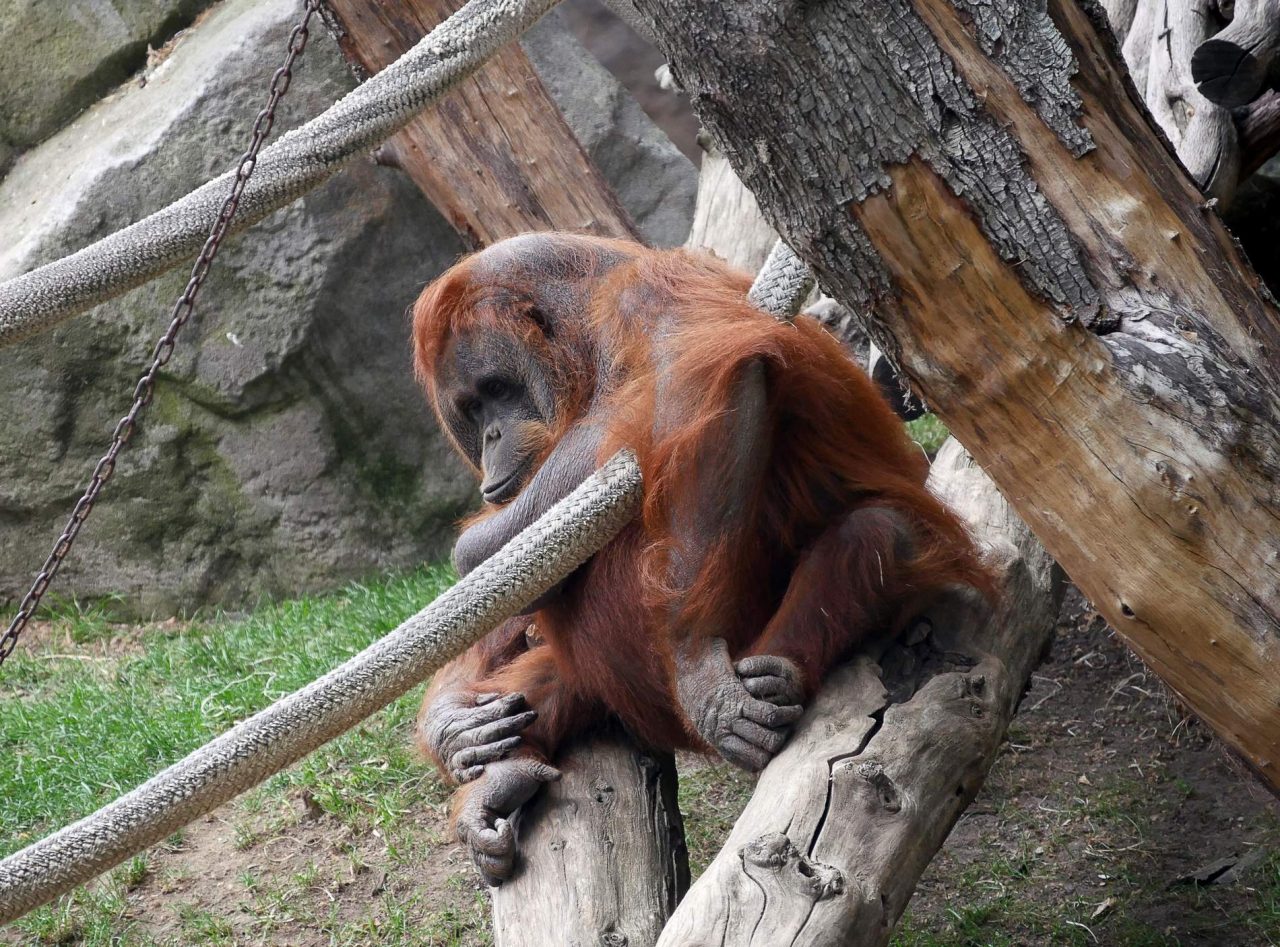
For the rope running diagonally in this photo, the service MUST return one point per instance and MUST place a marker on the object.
(297, 162)
(178, 317)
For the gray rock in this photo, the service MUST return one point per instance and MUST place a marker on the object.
(58, 58)
(654, 181)
(287, 448)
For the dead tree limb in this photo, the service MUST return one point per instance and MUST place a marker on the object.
(1159, 47)
(495, 156)
(1259, 133)
(846, 818)
(1233, 68)
(975, 177)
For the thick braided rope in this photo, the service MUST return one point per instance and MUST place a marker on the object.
(299, 161)
(783, 284)
(540, 556)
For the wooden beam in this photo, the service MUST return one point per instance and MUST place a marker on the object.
(495, 155)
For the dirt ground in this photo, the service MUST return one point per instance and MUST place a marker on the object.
(1103, 806)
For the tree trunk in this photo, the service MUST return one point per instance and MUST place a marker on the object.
(602, 851)
(495, 156)
(846, 818)
(980, 180)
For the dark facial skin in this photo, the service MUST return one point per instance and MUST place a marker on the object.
(492, 393)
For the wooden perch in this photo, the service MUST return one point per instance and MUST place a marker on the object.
(1234, 66)
(846, 818)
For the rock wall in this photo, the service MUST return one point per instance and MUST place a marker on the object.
(287, 448)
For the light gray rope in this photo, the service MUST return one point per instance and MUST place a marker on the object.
(540, 556)
(299, 161)
(783, 284)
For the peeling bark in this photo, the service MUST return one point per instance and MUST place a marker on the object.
(1081, 322)
(895, 746)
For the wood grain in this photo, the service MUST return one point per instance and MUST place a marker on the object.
(495, 156)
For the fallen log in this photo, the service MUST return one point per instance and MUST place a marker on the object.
(896, 745)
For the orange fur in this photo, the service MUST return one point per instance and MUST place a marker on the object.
(812, 566)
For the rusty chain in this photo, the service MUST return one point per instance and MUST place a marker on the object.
(178, 317)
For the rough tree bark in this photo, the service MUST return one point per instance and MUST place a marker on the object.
(495, 156)
(615, 878)
(977, 177)
(890, 753)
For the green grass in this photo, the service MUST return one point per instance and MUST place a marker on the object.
(928, 432)
(78, 729)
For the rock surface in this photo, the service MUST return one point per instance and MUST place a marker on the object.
(287, 448)
(57, 58)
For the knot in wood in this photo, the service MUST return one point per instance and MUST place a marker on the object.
(602, 792)
(884, 788)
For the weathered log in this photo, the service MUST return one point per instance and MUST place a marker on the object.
(495, 156)
(1159, 48)
(975, 177)
(602, 851)
(845, 819)
(1259, 133)
(1233, 67)
(726, 219)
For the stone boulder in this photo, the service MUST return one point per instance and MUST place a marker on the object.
(288, 448)
(58, 58)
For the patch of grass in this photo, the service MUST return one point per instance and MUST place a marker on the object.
(77, 730)
(929, 432)
(76, 733)
(712, 797)
(83, 622)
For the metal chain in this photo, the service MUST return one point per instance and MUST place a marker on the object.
(163, 351)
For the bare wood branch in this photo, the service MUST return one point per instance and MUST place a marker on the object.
(1259, 133)
(1234, 66)
(1203, 134)
(846, 818)
(602, 850)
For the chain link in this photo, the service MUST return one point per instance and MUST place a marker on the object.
(163, 351)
